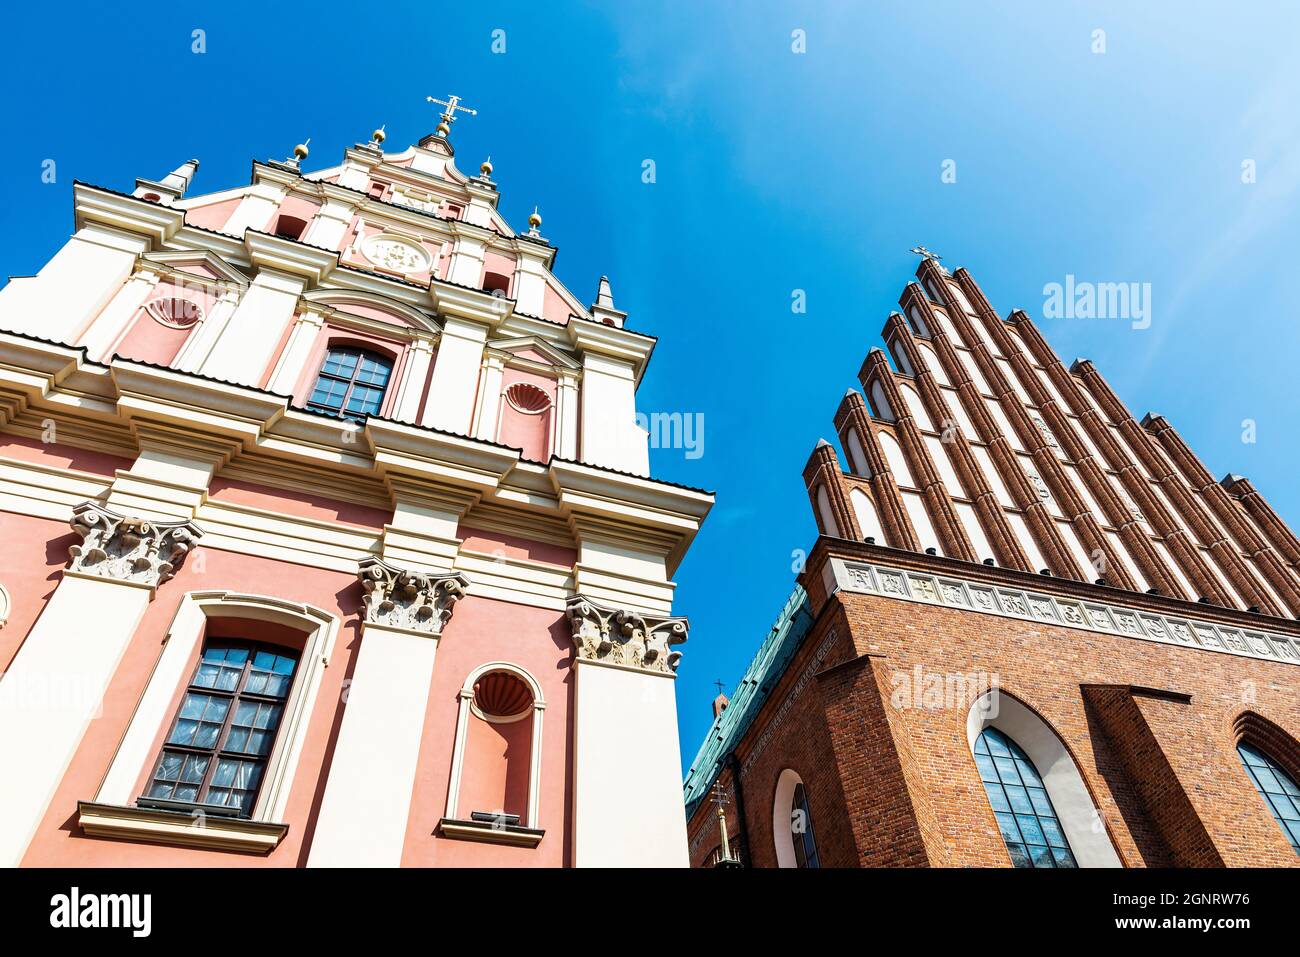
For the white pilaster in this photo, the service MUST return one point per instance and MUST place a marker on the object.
(530, 281)
(455, 376)
(53, 689)
(415, 375)
(106, 330)
(566, 417)
(625, 738)
(367, 798)
(294, 358)
(610, 434)
(331, 224)
(625, 742)
(488, 407)
(199, 345)
(255, 209)
(363, 815)
(246, 344)
(56, 683)
(467, 262)
(71, 289)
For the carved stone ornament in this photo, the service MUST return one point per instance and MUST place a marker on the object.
(621, 637)
(416, 601)
(129, 549)
(395, 253)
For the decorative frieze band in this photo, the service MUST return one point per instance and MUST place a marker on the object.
(129, 549)
(621, 637)
(1096, 616)
(401, 598)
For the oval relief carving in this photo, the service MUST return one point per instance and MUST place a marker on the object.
(396, 254)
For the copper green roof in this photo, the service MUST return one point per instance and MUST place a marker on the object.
(760, 678)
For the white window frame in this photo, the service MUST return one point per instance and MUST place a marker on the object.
(1075, 810)
(180, 649)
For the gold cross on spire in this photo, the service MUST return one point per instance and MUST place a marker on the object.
(452, 104)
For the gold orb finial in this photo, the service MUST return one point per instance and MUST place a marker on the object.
(378, 136)
(300, 151)
(486, 167)
(442, 129)
(535, 219)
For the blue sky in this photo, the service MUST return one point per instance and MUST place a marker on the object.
(775, 171)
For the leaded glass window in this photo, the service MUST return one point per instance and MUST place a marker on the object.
(217, 748)
(1028, 821)
(1277, 789)
(351, 383)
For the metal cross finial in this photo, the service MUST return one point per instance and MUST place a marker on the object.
(925, 253)
(720, 798)
(720, 686)
(452, 104)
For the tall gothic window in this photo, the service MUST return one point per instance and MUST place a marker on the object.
(351, 383)
(216, 750)
(801, 829)
(1025, 814)
(1277, 789)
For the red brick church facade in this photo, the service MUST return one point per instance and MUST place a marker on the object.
(1011, 556)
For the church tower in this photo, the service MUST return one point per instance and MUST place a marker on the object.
(1034, 630)
(366, 563)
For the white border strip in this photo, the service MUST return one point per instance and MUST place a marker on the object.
(1102, 617)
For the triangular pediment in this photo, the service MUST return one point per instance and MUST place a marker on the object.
(535, 349)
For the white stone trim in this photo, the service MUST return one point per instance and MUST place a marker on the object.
(177, 659)
(168, 827)
(466, 696)
(782, 805)
(1079, 817)
(1043, 609)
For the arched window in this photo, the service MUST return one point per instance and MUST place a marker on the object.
(495, 785)
(792, 824)
(351, 383)
(1044, 810)
(1277, 789)
(216, 750)
(1021, 804)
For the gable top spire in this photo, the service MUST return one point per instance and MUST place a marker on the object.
(172, 186)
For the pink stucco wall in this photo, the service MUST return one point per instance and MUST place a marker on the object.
(538, 641)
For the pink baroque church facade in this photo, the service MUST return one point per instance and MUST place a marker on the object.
(329, 536)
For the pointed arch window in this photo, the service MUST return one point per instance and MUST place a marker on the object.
(1277, 789)
(1024, 810)
(352, 383)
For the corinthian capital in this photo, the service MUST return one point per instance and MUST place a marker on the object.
(129, 549)
(622, 637)
(401, 598)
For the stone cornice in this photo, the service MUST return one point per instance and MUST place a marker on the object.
(416, 601)
(310, 263)
(600, 502)
(619, 636)
(462, 302)
(904, 575)
(126, 549)
(410, 459)
(587, 335)
(94, 204)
